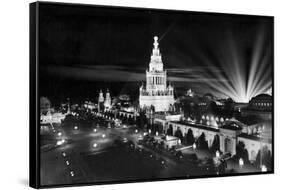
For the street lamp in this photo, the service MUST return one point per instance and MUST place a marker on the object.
(75, 128)
(179, 142)
(241, 162)
(263, 168)
(217, 154)
(194, 146)
(95, 130)
(59, 134)
(60, 142)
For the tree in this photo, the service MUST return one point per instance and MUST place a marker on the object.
(242, 152)
(216, 144)
(179, 134)
(189, 137)
(212, 108)
(265, 159)
(229, 107)
(202, 143)
(170, 130)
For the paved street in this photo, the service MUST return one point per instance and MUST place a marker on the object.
(97, 152)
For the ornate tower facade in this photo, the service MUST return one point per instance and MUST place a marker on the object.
(156, 93)
(100, 100)
(107, 102)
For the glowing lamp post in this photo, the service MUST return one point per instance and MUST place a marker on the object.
(103, 135)
(75, 128)
(59, 134)
(263, 168)
(136, 131)
(194, 146)
(95, 130)
(241, 162)
(217, 154)
(95, 145)
(179, 142)
(60, 142)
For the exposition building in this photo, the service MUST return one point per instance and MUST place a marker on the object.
(156, 94)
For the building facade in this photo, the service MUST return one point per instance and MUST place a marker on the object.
(100, 101)
(107, 102)
(261, 106)
(156, 93)
(229, 136)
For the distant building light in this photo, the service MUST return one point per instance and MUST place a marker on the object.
(125, 139)
(72, 173)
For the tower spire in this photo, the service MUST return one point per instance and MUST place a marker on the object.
(155, 42)
(156, 63)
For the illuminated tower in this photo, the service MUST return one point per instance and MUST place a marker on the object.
(107, 102)
(100, 100)
(156, 93)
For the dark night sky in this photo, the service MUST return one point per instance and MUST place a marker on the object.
(82, 49)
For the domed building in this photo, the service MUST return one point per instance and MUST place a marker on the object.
(261, 102)
(260, 106)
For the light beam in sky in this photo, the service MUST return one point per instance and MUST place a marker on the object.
(239, 77)
(244, 83)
